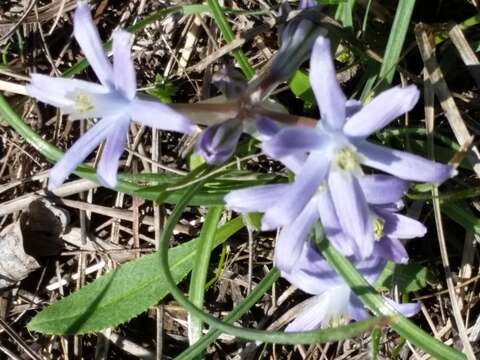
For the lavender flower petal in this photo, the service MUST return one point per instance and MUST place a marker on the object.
(352, 107)
(87, 36)
(403, 165)
(304, 4)
(356, 309)
(299, 194)
(382, 189)
(311, 273)
(292, 237)
(391, 249)
(313, 315)
(267, 129)
(217, 143)
(60, 92)
(257, 198)
(108, 165)
(331, 225)
(352, 210)
(123, 69)
(382, 110)
(329, 95)
(403, 227)
(290, 140)
(78, 152)
(408, 309)
(159, 116)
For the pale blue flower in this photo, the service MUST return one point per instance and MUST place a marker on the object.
(333, 298)
(337, 148)
(114, 100)
(383, 194)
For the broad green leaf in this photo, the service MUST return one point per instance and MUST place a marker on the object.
(408, 277)
(123, 293)
(300, 86)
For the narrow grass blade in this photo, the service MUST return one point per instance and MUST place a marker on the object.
(200, 269)
(396, 40)
(229, 36)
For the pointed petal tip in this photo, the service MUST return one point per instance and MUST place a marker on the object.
(55, 180)
(268, 224)
(53, 185)
(107, 181)
(82, 12)
(122, 35)
(322, 43)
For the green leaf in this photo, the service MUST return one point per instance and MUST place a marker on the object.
(396, 39)
(407, 277)
(229, 36)
(162, 90)
(376, 335)
(123, 293)
(461, 214)
(200, 269)
(345, 13)
(300, 86)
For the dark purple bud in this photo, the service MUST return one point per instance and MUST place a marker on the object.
(218, 142)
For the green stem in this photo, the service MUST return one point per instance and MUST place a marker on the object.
(229, 36)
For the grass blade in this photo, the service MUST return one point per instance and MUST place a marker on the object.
(396, 40)
(200, 269)
(229, 36)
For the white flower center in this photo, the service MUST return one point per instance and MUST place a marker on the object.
(83, 103)
(347, 159)
(338, 298)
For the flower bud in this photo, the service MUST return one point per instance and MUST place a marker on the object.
(218, 142)
(296, 42)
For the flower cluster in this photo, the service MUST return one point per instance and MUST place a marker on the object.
(358, 211)
(334, 184)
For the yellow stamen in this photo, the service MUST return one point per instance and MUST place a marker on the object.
(347, 159)
(83, 103)
(378, 228)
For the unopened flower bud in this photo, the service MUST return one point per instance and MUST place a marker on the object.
(218, 142)
(296, 42)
